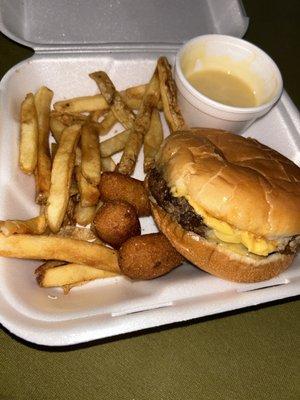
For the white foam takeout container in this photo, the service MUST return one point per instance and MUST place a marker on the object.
(125, 39)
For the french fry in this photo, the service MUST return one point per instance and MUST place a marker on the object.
(35, 226)
(70, 119)
(121, 111)
(69, 213)
(89, 194)
(134, 95)
(168, 92)
(107, 164)
(82, 104)
(61, 177)
(152, 141)
(118, 106)
(42, 100)
(41, 247)
(133, 103)
(141, 126)
(107, 123)
(84, 215)
(28, 148)
(58, 121)
(90, 154)
(114, 144)
(95, 115)
(56, 127)
(79, 233)
(68, 274)
(134, 92)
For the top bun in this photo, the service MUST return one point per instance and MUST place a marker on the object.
(235, 179)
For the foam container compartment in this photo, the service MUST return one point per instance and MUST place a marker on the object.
(63, 58)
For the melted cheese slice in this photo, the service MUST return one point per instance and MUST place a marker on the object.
(226, 233)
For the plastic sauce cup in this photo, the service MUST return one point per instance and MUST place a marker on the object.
(227, 54)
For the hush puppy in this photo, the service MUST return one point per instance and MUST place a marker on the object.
(148, 256)
(116, 221)
(116, 186)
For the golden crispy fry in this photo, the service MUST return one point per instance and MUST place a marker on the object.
(28, 135)
(68, 274)
(42, 100)
(134, 92)
(133, 97)
(168, 92)
(148, 256)
(56, 127)
(59, 121)
(131, 152)
(61, 177)
(95, 115)
(121, 111)
(41, 247)
(105, 85)
(107, 123)
(82, 104)
(107, 164)
(79, 233)
(70, 119)
(84, 215)
(69, 213)
(152, 141)
(115, 186)
(90, 154)
(141, 126)
(89, 194)
(35, 226)
(133, 103)
(114, 144)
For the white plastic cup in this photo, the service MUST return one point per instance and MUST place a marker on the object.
(242, 59)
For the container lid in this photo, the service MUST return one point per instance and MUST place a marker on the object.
(114, 24)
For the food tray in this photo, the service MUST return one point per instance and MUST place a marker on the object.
(112, 306)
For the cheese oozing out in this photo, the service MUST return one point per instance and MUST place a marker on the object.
(228, 234)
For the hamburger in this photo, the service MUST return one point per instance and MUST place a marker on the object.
(228, 204)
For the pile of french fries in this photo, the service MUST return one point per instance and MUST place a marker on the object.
(67, 167)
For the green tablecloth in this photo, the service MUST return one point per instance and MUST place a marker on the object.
(249, 354)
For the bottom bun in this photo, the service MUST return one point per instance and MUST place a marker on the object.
(216, 259)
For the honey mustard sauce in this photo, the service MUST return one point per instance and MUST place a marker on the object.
(223, 87)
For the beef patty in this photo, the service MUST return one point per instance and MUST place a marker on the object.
(178, 207)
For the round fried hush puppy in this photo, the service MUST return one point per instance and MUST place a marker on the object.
(116, 186)
(117, 221)
(148, 256)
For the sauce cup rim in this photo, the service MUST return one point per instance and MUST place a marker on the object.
(215, 104)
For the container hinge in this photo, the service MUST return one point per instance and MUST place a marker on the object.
(107, 48)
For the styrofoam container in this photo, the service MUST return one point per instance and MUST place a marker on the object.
(113, 306)
(227, 54)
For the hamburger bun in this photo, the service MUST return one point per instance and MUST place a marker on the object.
(218, 261)
(237, 181)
